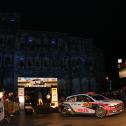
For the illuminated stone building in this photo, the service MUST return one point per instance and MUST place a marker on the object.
(75, 61)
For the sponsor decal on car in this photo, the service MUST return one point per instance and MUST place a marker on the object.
(87, 104)
(83, 110)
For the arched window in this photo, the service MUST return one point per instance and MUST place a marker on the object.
(7, 60)
(1, 41)
(46, 62)
(0, 60)
(21, 61)
(11, 41)
(29, 62)
(37, 62)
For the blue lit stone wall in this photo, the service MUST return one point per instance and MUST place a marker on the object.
(43, 54)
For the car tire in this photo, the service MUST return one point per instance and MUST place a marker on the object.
(100, 112)
(64, 111)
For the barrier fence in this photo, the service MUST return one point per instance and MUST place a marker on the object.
(2, 114)
(8, 108)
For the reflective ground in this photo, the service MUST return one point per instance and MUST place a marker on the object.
(56, 119)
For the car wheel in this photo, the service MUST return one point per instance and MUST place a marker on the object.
(100, 112)
(64, 111)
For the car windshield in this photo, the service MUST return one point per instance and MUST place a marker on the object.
(99, 97)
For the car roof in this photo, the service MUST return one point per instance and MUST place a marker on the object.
(76, 95)
(89, 95)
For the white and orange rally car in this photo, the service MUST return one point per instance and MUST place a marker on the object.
(96, 104)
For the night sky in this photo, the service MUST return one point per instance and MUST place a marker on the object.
(102, 20)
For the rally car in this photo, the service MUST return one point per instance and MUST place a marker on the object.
(96, 104)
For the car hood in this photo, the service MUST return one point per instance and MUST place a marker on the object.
(110, 102)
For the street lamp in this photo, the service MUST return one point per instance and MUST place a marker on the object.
(109, 82)
(119, 60)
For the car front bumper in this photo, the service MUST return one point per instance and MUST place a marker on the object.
(115, 111)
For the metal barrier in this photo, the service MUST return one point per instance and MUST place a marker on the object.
(2, 114)
(8, 109)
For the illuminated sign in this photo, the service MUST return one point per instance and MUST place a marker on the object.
(54, 94)
(122, 68)
(21, 97)
(36, 82)
(20, 91)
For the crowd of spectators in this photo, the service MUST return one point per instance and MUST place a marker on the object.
(117, 94)
(11, 104)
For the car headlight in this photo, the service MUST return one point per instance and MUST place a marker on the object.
(111, 105)
(69, 109)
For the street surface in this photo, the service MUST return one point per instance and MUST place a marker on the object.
(56, 119)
